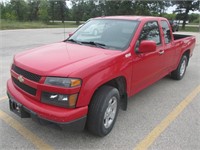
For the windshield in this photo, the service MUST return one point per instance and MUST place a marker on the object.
(105, 33)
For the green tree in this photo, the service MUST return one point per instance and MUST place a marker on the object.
(193, 18)
(52, 10)
(90, 10)
(112, 7)
(186, 6)
(2, 9)
(6, 11)
(158, 8)
(33, 8)
(43, 11)
(19, 8)
(170, 16)
(78, 10)
(142, 8)
(126, 8)
(62, 8)
(58, 10)
(85, 9)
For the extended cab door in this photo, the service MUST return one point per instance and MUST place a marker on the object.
(169, 47)
(148, 67)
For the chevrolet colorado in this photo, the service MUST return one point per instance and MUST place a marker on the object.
(84, 80)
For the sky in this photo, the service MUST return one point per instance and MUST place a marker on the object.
(171, 9)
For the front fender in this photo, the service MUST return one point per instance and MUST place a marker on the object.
(93, 82)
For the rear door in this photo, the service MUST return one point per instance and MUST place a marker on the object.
(148, 67)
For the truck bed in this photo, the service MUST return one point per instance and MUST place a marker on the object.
(180, 36)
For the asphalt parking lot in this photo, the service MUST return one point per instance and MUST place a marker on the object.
(164, 116)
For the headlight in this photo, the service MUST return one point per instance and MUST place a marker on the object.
(62, 100)
(63, 82)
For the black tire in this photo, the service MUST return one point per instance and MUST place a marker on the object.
(97, 121)
(179, 73)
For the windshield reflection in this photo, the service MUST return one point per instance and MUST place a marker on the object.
(105, 33)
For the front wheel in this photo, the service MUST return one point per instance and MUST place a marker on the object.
(181, 69)
(103, 110)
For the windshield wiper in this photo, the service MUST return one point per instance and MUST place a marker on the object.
(101, 45)
(74, 41)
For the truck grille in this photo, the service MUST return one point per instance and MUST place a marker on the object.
(24, 87)
(26, 74)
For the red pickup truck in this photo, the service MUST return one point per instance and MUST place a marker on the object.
(84, 80)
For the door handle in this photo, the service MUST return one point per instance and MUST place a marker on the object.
(161, 52)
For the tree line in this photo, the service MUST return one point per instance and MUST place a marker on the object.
(82, 10)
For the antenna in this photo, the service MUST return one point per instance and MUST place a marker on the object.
(64, 29)
(63, 11)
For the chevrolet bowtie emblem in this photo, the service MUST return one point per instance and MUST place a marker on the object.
(20, 78)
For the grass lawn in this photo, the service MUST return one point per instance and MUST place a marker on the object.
(190, 29)
(6, 25)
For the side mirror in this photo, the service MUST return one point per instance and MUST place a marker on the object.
(70, 34)
(147, 46)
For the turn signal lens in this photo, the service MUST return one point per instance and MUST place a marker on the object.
(72, 100)
(75, 82)
(63, 82)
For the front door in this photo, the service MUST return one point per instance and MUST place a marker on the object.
(148, 67)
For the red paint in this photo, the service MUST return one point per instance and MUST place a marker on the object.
(147, 46)
(95, 67)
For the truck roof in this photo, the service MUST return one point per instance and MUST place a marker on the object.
(138, 18)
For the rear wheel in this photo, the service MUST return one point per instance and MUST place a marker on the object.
(181, 69)
(103, 110)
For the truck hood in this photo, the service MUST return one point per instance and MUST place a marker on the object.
(47, 60)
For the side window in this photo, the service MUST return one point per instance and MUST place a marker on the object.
(166, 31)
(150, 31)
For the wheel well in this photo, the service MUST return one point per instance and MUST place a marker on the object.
(121, 85)
(187, 53)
